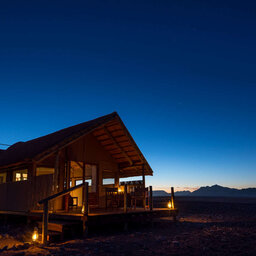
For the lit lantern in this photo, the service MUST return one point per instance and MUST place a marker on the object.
(169, 205)
(119, 189)
(35, 235)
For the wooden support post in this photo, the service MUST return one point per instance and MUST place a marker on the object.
(150, 198)
(85, 209)
(45, 223)
(56, 173)
(117, 145)
(172, 197)
(55, 185)
(173, 204)
(117, 179)
(83, 172)
(125, 198)
(68, 174)
(83, 199)
(144, 186)
(65, 176)
(9, 176)
(32, 179)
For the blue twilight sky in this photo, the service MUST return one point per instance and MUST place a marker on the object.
(181, 74)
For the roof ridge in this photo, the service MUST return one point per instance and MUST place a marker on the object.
(63, 129)
(30, 149)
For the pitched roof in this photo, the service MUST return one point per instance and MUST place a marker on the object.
(109, 130)
(22, 151)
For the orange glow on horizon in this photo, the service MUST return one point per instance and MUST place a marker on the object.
(168, 189)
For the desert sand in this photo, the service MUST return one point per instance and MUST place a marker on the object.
(205, 227)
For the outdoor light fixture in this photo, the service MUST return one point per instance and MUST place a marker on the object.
(35, 235)
(169, 205)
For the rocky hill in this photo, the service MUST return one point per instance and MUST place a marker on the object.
(212, 191)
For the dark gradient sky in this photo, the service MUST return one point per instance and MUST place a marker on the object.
(181, 74)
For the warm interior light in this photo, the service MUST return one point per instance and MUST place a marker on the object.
(169, 205)
(119, 189)
(35, 235)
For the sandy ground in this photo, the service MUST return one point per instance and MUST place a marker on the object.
(204, 228)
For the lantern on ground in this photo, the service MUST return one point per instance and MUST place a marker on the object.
(35, 235)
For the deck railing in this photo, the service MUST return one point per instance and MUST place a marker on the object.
(45, 202)
(129, 197)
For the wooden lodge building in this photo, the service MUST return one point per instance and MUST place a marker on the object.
(55, 168)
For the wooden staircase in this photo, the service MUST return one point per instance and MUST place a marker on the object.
(61, 229)
(60, 225)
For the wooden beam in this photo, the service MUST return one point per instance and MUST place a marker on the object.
(68, 141)
(118, 158)
(117, 145)
(55, 187)
(109, 144)
(143, 180)
(83, 167)
(127, 151)
(62, 193)
(85, 209)
(68, 174)
(118, 137)
(116, 130)
(173, 204)
(150, 198)
(45, 223)
(83, 199)
(116, 154)
(80, 165)
(125, 198)
(136, 164)
(117, 179)
(172, 197)
(134, 167)
(102, 141)
(132, 141)
(32, 178)
(56, 173)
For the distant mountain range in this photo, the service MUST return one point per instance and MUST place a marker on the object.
(212, 191)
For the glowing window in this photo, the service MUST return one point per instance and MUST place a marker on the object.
(2, 177)
(108, 181)
(20, 175)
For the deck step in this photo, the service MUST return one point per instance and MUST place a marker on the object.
(58, 230)
(53, 226)
(52, 236)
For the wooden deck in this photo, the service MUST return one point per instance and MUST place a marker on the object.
(98, 214)
(70, 224)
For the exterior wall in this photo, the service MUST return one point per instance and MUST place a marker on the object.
(24, 195)
(14, 196)
(42, 189)
(20, 196)
(89, 150)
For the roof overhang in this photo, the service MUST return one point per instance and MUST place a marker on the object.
(110, 132)
(116, 139)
